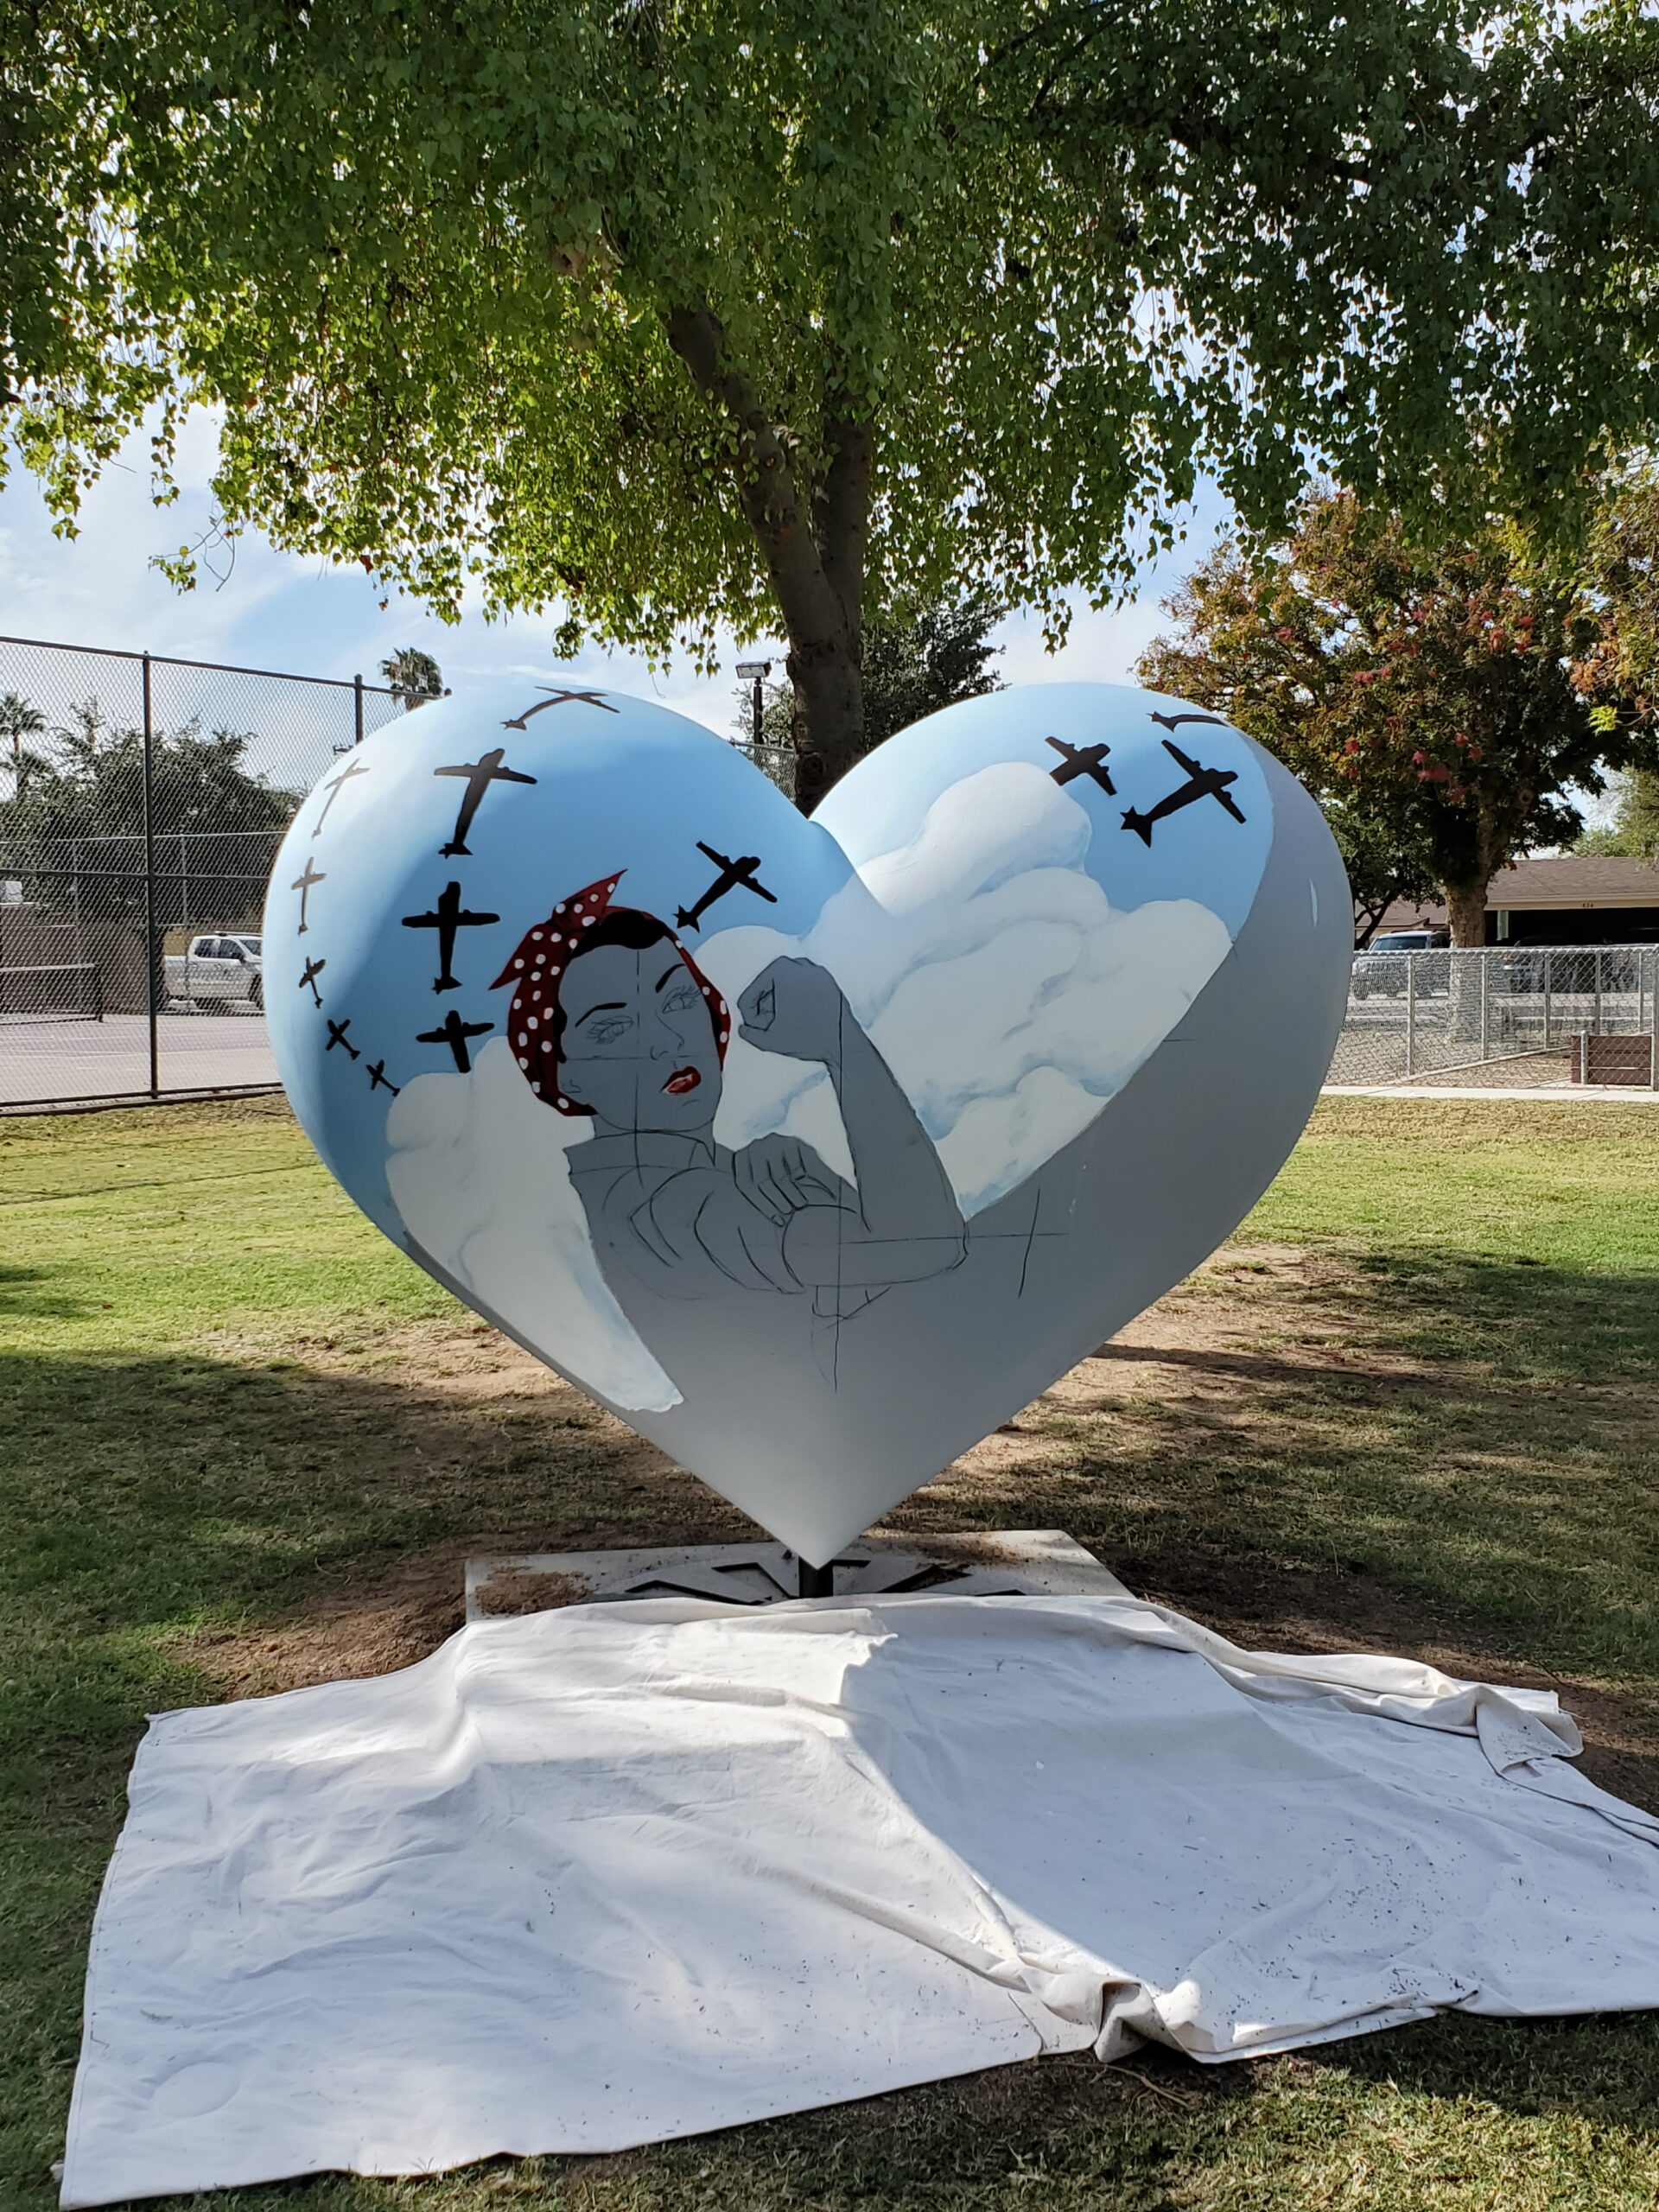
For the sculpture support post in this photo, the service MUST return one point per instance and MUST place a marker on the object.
(816, 1581)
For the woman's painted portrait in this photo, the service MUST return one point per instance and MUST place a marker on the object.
(612, 1021)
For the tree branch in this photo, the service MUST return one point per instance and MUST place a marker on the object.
(811, 606)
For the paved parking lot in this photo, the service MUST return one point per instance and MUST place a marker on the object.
(45, 1061)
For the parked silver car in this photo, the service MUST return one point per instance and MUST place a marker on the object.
(1382, 968)
(217, 970)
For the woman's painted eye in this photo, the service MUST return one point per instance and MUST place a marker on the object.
(607, 1033)
(679, 1000)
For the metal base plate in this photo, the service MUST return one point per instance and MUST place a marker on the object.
(1003, 1562)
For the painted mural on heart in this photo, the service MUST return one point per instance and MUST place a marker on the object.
(813, 1150)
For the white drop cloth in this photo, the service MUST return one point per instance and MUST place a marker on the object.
(591, 1879)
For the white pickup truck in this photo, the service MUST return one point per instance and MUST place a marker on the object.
(217, 970)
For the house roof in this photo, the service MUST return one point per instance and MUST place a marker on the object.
(1570, 879)
(1575, 880)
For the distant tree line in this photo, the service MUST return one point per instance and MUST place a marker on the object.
(75, 812)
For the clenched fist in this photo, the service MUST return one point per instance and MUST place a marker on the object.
(796, 1007)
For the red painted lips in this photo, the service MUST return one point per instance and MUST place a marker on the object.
(681, 1081)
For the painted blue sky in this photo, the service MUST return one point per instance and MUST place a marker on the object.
(622, 786)
(631, 790)
(1200, 852)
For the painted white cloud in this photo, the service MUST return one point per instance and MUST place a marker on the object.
(478, 1173)
(1006, 993)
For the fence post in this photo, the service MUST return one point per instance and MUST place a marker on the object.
(153, 968)
(1485, 1004)
(1411, 1013)
(357, 710)
(1595, 1016)
(1549, 971)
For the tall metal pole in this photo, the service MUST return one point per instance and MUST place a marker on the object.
(152, 958)
(757, 713)
(1411, 1013)
(1486, 1005)
(357, 709)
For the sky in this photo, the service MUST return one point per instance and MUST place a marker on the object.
(276, 610)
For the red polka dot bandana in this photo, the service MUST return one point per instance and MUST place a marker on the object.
(537, 971)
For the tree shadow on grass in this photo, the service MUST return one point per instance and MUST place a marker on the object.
(1415, 1461)
(24, 1296)
(178, 1528)
(1602, 2070)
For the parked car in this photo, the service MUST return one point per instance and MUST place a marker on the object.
(1568, 971)
(1381, 969)
(217, 970)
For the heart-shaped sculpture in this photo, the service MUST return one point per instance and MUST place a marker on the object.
(813, 1150)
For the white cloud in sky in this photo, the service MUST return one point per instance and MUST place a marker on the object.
(282, 611)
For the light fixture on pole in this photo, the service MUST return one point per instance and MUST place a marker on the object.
(758, 670)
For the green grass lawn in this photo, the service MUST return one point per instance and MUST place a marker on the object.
(245, 1444)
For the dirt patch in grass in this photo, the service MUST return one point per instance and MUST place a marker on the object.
(1269, 1354)
(360, 1629)
(526, 1592)
(423, 1417)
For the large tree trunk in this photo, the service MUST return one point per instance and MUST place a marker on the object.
(1465, 905)
(816, 561)
(829, 685)
(829, 721)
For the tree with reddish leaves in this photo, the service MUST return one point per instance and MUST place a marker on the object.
(1434, 695)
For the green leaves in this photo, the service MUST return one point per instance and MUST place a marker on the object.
(1440, 695)
(1059, 255)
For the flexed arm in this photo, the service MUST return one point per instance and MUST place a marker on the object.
(903, 1222)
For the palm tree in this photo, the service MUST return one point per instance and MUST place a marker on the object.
(19, 718)
(413, 674)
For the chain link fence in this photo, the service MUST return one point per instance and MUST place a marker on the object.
(1517, 1012)
(141, 801)
(776, 761)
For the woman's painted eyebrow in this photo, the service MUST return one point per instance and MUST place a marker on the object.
(663, 977)
(604, 1006)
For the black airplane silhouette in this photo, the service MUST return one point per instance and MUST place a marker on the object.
(454, 1033)
(1081, 761)
(313, 969)
(1173, 723)
(732, 873)
(479, 774)
(560, 699)
(337, 1036)
(446, 917)
(378, 1079)
(1202, 783)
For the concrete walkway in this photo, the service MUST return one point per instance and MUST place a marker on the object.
(1569, 1094)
